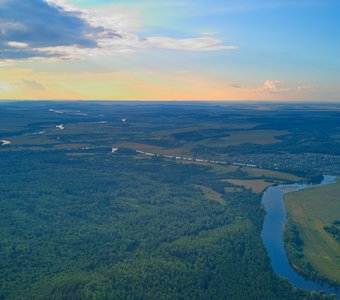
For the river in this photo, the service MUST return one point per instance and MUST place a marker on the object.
(273, 232)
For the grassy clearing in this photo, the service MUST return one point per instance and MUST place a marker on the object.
(219, 169)
(232, 189)
(230, 138)
(222, 169)
(236, 138)
(210, 194)
(256, 185)
(254, 172)
(208, 125)
(38, 140)
(260, 137)
(310, 210)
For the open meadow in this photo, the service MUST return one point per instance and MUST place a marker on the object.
(311, 211)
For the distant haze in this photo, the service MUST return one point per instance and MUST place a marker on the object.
(170, 50)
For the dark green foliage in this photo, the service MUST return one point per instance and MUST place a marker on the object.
(334, 230)
(294, 245)
(105, 226)
(109, 227)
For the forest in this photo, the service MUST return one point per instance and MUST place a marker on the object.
(80, 222)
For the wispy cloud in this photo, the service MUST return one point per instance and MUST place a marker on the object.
(55, 29)
(210, 33)
(277, 87)
(273, 86)
(191, 44)
(17, 45)
(32, 85)
(5, 87)
(304, 87)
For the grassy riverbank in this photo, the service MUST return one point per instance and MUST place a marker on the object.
(310, 247)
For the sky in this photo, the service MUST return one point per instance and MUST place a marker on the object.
(170, 50)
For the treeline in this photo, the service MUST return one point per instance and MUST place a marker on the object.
(334, 230)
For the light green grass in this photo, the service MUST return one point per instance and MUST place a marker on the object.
(211, 194)
(310, 210)
(261, 137)
(254, 172)
(256, 185)
(207, 125)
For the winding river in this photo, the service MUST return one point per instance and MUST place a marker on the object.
(272, 236)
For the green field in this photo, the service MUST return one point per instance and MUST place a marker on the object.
(311, 210)
(256, 185)
(254, 172)
(211, 194)
(261, 137)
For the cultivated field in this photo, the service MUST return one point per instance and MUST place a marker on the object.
(256, 185)
(271, 174)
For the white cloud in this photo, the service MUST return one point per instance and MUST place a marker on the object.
(271, 85)
(83, 33)
(17, 44)
(5, 87)
(125, 23)
(62, 3)
(274, 87)
(210, 33)
(279, 87)
(116, 18)
(304, 88)
(190, 44)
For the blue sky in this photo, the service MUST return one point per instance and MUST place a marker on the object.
(170, 50)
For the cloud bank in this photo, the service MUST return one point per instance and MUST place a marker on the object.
(54, 29)
(29, 27)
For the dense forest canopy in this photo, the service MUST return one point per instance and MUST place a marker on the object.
(80, 220)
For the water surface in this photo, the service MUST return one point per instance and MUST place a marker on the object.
(273, 233)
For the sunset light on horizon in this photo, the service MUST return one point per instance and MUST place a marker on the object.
(170, 50)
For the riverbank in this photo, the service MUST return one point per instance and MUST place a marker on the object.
(309, 246)
(272, 236)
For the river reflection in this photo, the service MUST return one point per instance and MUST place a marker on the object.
(273, 231)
